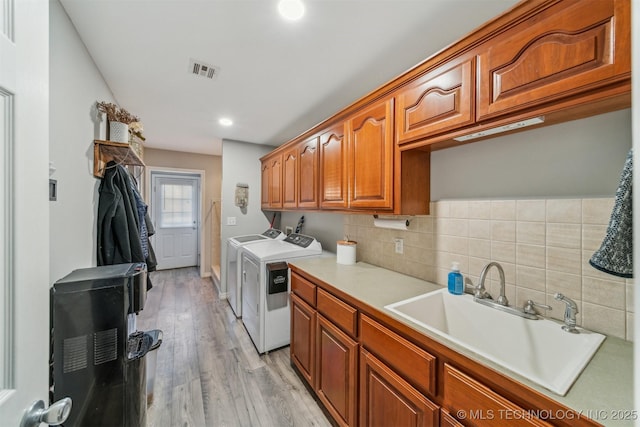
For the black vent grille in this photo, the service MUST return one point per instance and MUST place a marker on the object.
(105, 346)
(201, 69)
(74, 352)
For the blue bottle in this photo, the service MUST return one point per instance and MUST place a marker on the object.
(456, 284)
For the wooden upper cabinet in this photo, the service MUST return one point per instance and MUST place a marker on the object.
(289, 178)
(300, 175)
(333, 168)
(371, 157)
(572, 47)
(272, 182)
(264, 195)
(441, 100)
(308, 175)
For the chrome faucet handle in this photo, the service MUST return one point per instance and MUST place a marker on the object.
(529, 307)
(480, 292)
(569, 314)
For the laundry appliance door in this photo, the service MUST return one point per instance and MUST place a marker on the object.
(251, 300)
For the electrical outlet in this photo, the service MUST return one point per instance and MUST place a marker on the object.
(399, 245)
(231, 220)
(288, 230)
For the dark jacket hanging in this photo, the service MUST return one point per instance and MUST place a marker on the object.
(119, 224)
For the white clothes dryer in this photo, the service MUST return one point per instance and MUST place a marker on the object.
(266, 285)
(234, 251)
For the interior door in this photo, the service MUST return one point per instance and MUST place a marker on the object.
(175, 209)
(24, 206)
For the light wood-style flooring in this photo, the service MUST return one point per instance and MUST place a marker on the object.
(208, 371)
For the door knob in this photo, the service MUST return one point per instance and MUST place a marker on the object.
(53, 415)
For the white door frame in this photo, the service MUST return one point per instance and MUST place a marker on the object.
(149, 170)
(24, 207)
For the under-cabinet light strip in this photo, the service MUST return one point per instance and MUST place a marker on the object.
(500, 129)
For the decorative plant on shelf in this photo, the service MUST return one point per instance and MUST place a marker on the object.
(122, 124)
(135, 129)
(116, 114)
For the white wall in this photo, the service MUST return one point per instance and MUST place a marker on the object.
(75, 86)
(327, 228)
(573, 159)
(240, 164)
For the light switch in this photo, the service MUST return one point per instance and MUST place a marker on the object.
(231, 220)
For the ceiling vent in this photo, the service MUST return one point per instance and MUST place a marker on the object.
(202, 69)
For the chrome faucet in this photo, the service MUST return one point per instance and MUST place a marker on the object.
(569, 313)
(481, 290)
(483, 297)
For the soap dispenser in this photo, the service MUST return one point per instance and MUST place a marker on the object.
(456, 283)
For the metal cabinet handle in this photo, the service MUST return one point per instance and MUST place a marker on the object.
(54, 415)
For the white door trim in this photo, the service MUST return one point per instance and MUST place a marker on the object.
(147, 196)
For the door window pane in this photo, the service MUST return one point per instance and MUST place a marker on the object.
(177, 205)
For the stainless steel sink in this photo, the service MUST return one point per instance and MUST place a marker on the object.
(539, 350)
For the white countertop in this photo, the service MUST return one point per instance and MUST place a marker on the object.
(603, 392)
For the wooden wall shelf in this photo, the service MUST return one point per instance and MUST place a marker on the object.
(106, 151)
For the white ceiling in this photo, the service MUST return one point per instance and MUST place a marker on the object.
(277, 78)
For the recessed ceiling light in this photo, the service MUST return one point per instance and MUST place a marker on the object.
(225, 121)
(291, 9)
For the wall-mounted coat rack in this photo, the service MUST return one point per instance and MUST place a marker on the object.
(106, 151)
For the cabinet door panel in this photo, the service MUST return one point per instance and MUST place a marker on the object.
(266, 174)
(388, 400)
(289, 178)
(588, 44)
(275, 183)
(441, 100)
(308, 174)
(371, 157)
(302, 349)
(337, 369)
(333, 168)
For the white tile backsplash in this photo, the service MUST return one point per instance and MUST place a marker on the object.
(543, 245)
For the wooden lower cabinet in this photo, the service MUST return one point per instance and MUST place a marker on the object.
(477, 405)
(336, 372)
(386, 399)
(303, 332)
(446, 420)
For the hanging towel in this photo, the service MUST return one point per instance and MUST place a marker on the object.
(615, 256)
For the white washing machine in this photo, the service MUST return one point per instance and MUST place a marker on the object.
(234, 251)
(266, 285)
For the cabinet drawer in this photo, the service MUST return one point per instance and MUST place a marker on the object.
(304, 289)
(480, 405)
(413, 363)
(339, 312)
